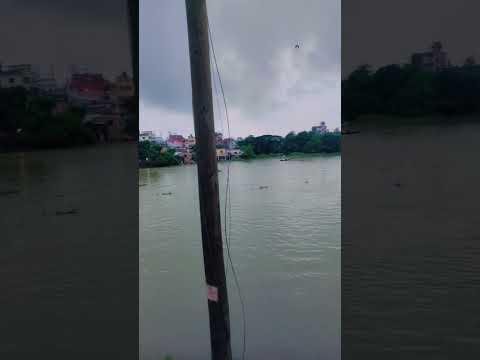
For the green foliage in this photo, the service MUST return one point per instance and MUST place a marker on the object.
(247, 151)
(303, 142)
(407, 91)
(155, 154)
(29, 119)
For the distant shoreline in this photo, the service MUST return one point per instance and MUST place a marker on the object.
(28, 149)
(292, 156)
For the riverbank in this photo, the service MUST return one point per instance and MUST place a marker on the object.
(374, 121)
(292, 156)
(29, 149)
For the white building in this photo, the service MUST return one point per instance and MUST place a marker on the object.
(147, 136)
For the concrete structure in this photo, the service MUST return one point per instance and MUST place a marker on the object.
(321, 129)
(123, 87)
(433, 60)
(219, 138)
(21, 75)
(234, 152)
(107, 127)
(86, 88)
(222, 154)
(190, 141)
(147, 136)
(46, 85)
(159, 140)
(176, 141)
(229, 143)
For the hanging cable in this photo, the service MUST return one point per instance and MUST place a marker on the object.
(228, 200)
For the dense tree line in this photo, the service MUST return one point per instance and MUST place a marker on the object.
(403, 90)
(303, 142)
(153, 154)
(27, 119)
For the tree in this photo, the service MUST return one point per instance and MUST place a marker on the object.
(247, 152)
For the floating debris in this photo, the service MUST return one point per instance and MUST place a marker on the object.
(263, 187)
(167, 193)
(67, 212)
(140, 185)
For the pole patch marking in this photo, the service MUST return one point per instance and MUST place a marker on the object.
(212, 293)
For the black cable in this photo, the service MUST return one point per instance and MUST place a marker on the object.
(228, 200)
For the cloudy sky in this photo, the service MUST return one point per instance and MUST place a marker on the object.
(270, 87)
(91, 34)
(380, 32)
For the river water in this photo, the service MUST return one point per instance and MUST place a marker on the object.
(285, 245)
(69, 252)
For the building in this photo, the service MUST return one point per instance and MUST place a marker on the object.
(222, 154)
(190, 141)
(147, 136)
(107, 127)
(176, 141)
(17, 76)
(86, 88)
(321, 129)
(234, 152)
(433, 60)
(225, 154)
(46, 85)
(123, 87)
(159, 140)
(229, 143)
(219, 138)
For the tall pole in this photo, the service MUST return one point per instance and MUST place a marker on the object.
(208, 179)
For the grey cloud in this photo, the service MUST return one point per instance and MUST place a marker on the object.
(92, 33)
(250, 36)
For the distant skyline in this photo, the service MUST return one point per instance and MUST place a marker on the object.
(406, 27)
(271, 86)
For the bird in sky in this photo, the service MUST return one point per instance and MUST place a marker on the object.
(297, 46)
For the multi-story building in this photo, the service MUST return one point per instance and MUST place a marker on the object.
(176, 141)
(147, 136)
(321, 129)
(123, 87)
(434, 60)
(21, 75)
(87, 88)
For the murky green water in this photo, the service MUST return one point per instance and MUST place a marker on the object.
(285, 243)
(68, 251)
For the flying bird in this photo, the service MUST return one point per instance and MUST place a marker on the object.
(297, 46)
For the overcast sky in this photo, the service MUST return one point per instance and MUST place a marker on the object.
(270, 87)
(380, 32)
(90, 33)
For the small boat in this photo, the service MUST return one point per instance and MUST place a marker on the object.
(284, 158)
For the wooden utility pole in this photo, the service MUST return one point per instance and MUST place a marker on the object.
(208, 179)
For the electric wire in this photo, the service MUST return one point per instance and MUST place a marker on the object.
(228, 199)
